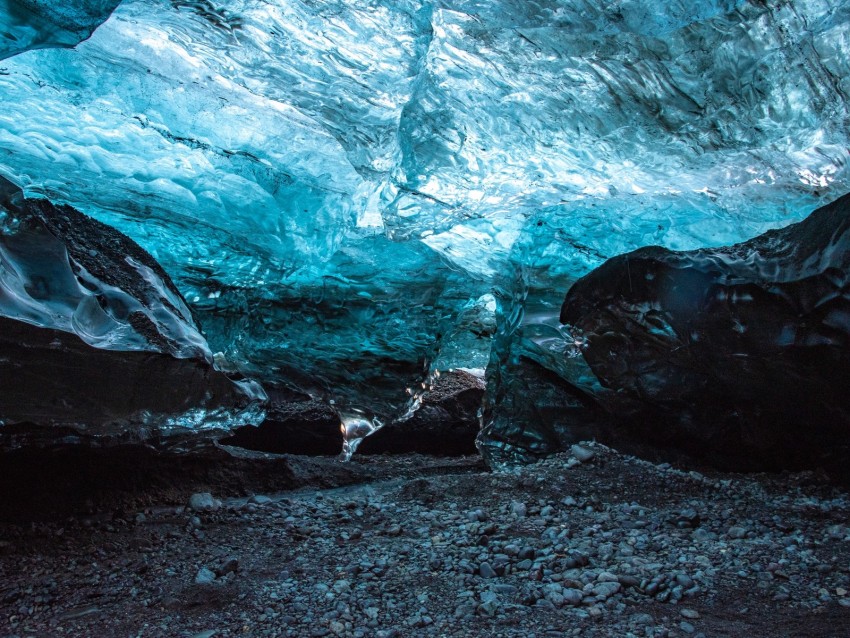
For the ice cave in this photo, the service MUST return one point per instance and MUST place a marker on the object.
(424, 318)
(615, 220)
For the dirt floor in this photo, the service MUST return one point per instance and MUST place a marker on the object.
(135, 543)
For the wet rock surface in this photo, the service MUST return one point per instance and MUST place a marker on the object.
(446, 424)
(611, 546)
(96, 338)
(739, 354)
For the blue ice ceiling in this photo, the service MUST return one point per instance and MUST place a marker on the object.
(350, 194)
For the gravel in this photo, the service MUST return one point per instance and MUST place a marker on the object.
(612, 545)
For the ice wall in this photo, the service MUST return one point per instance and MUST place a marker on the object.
(338, 187)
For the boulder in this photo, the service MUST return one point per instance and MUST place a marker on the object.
(95, 339)
(446, 424)
(738, 355)
(294, 424)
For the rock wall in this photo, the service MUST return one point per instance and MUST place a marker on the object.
(738, 354)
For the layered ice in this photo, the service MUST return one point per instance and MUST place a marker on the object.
(353, 194)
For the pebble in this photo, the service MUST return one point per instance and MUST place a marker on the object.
(203, 502)
(581, 453)
(228, 566)
(642, 619)
(489, 602)
(204, 576)
(486, 570)
(606, 589)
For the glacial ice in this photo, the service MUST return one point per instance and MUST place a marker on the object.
(32, 24)
(353, 194)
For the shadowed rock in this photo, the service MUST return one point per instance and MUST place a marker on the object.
(294, 424)
(739, 354)
(95, 337)
(446, 423)
(533, 412)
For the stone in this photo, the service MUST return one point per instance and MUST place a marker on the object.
(203, 502)
(684, 581)
(606, 589)
(838, 531)
(485, 570)
(489, 603)
(294, 424)
(205, 576)
(581, 453)
(446, 423)
(229, 565)
(704, 535)
(642, 619)
(97, 340)
(534, 412)
(739, 355)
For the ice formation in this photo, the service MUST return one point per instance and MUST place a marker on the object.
(353, 194)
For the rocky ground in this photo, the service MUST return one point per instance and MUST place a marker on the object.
(592, 543)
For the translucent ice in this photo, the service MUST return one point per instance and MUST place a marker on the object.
(32, 24)
(342, 189)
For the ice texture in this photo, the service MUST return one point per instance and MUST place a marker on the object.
(353, 194)
(32, 24)
(65, 271)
